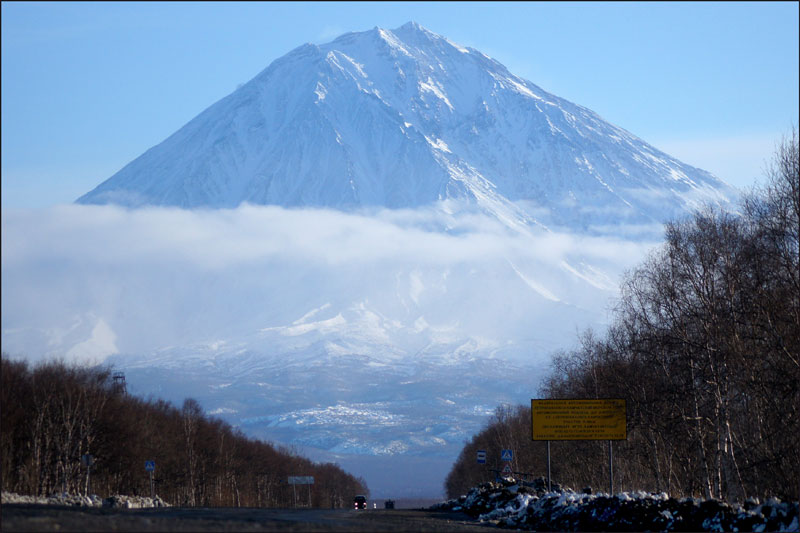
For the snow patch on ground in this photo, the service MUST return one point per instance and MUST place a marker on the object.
(79, 500)
(511, 503)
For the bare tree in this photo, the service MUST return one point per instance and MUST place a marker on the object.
(706, 348)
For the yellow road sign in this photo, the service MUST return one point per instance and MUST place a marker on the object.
(596, 419)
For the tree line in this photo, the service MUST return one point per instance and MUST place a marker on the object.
(704, 346)
(55, 414)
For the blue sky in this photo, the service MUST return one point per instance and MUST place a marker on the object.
(87, 87)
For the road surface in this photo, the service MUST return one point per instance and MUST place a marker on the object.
(25, 517)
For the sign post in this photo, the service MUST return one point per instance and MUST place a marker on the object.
(610, 468)
(548, 468)
(150, 466)
(481, 457)
(581, 419)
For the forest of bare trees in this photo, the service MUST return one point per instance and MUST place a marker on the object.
(705, 348)
(54, 414)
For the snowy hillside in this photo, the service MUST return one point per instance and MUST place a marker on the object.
(405, 118)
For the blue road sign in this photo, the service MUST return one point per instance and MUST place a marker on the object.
(481, 456)
(506, 455)
(149, 465)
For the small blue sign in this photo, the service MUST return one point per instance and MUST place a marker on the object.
(481, 457)
(507, 455)
(149, 465)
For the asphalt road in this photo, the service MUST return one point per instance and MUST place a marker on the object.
(25, 517)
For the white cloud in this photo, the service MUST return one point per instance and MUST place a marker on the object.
(111, 279)
(97, 347)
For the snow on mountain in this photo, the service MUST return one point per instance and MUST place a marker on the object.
(405, 118)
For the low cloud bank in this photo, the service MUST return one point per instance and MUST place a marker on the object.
(141, 279)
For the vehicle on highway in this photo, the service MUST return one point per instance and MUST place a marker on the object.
(388, 504)
(360, 502)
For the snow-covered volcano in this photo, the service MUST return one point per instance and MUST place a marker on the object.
(438, 259)
(405, 118)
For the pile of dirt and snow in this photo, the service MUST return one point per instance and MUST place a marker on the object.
(78, 500)
(528, 505)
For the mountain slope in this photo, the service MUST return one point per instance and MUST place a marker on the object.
(405, 118)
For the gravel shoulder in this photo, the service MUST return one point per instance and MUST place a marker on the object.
(29, 517)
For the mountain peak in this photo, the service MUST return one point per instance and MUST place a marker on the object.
(413, 33)
(404, 118)
(413, 27)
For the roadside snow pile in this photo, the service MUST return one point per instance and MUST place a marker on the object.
(76, 500)
(528, 506)
(133, 502)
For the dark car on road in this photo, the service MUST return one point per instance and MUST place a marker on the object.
(360, 502)
(388, 504)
